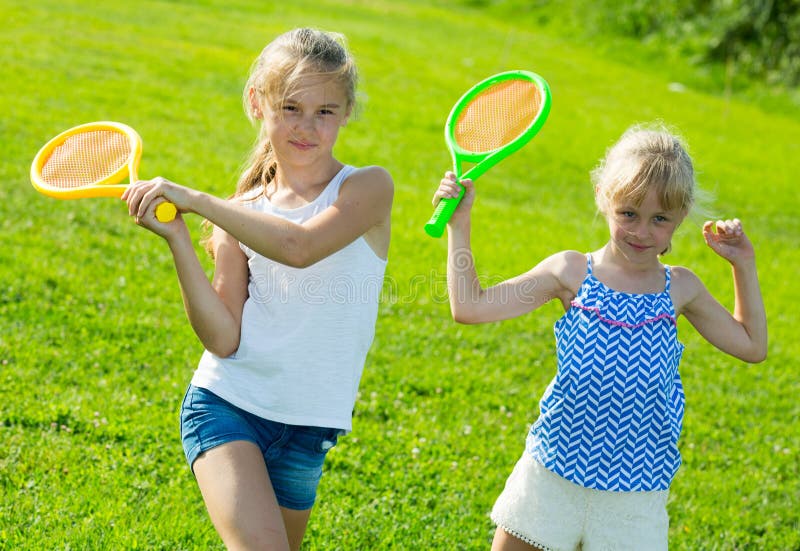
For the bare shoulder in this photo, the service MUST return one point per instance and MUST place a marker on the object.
(568, 268)
(370, 189)
(574, 261)
(685, 286)
(374, 179)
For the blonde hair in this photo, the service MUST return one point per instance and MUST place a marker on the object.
(645, 158)
(275, 74)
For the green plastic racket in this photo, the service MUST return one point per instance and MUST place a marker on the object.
(495, 118)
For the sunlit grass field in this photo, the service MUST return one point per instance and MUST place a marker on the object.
(96, 353)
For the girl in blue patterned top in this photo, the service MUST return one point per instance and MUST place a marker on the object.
(599, 460)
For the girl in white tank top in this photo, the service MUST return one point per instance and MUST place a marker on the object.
(300, 252)
(305, 331)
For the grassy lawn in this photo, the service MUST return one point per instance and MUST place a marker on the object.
(95, 350)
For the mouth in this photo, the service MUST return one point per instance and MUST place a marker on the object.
(303, 146)
(638, 248)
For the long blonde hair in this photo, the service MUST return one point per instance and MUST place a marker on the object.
(274, 75)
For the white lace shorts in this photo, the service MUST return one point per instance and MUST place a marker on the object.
(549, 512)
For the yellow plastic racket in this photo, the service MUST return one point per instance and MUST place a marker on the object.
(89, 161)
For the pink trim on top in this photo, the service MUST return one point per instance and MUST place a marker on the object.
(622, 323)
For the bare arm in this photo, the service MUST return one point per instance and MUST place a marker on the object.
(742, 334)
(214, 309)
(469, 301)
(364, 203)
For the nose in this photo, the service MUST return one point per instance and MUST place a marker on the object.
(640, 230)
(304, 123)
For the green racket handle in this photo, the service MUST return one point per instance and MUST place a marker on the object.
(441, 215)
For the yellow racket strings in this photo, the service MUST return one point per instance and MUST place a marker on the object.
(497, 115)
(86, 158)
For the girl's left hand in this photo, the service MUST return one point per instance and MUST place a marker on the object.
(729, 241)
(142, 193)
(145, 195)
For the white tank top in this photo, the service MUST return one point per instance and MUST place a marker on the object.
(305, 331)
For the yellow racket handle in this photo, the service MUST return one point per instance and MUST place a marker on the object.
(165, 212)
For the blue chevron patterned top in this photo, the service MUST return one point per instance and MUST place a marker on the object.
(611, 417)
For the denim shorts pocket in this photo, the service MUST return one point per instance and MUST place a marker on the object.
(328, 439)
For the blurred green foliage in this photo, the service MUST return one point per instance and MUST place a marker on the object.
(750, 38)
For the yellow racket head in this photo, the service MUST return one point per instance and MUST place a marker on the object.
(87, 161)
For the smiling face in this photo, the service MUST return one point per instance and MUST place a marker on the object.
(645, 187)
(640, 233)
(303, 126)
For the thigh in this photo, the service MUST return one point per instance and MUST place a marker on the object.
(223, 445)
(239, 497)
(295, 522)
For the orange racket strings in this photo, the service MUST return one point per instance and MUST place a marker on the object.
(497, 116)
(86, 158)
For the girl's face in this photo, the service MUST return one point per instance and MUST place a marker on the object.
(303, 126)
(641, 233)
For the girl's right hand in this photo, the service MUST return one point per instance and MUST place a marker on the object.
(175, 229)
(449, 188)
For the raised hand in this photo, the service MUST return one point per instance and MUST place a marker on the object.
(449, 188)
(729, 240)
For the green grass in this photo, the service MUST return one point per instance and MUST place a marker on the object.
(95, 351)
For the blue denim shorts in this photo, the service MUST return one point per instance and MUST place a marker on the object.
(293, 454)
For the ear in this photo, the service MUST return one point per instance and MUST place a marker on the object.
(255, 107)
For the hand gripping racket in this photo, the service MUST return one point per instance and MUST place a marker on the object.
(491, 121)
(89, 161)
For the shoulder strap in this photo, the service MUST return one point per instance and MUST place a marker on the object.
(336, 183)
